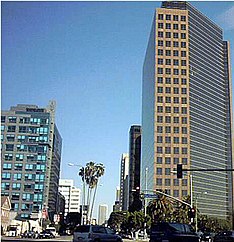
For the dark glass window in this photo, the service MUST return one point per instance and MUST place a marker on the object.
(168, 99)
(168, 17)
(168, 34)
(175, 17)
(160, 25)
(160, 16)
(168, 26)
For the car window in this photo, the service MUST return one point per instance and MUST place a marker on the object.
(82, 229)
(100, 230)
(188, 228)
(110, 231)
(177, 227)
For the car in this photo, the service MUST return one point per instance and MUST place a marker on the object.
(30, 234)
(207, 237)
(172, 232)
(95, 233)
(225, 236)
(46, 234)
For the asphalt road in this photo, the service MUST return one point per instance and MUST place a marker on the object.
(17, 239)
(57, 239)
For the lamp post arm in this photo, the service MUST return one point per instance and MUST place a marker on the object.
(174, 198)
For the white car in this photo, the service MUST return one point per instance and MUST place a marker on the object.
(95, 233)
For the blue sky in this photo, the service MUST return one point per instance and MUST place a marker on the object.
(88, 56)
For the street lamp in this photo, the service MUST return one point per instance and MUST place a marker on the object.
(83, 191)
(196, 202)
(145, 200)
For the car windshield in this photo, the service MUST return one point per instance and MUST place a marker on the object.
(174, 227)
(82, 229)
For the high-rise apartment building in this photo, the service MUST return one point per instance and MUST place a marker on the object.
(72, 196)
(102, 214)
(31, 156)
(124, 182)
(134, 167)
(186, 110)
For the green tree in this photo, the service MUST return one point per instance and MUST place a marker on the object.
(160, 209)
(180, 212)
(118, 219)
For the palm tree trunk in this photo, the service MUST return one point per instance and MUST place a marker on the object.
(94, 195)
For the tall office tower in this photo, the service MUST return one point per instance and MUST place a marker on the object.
(134, 167)
(116, 206)
(102, 214)
(117, 193)
(186, 109)
(72, 196)
(124, 182)
(31, 156)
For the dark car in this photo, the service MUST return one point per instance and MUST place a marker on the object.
(95, 233)
(172, 232)
(207, 237)
(46, 234)
(30, 234)
(226, 236)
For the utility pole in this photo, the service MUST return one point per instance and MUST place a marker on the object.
(145, 200)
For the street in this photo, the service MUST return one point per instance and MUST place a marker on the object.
(60, 239)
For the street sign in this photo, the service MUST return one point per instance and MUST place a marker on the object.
(155, 196)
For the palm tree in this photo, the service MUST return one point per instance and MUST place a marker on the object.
(99, 171)
(160, 209)
(90, 175)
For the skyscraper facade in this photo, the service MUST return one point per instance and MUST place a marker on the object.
(102, 214)
(124, 182)
(186, 108)
(134, 167)
(31, 156)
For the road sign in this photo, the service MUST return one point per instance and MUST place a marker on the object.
(155, 196)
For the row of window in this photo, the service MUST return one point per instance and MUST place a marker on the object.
(169, 150)
(168, 80)
(169, 182)
(166, 99)
(26, 148)
(174, 62)
(168, 160)
(36, 187)
(26, 129)
(170, 71)
(171, 17)
(25, 120)
(162, 52)
(169, 119)
(23, 138)
(171, 26)
(169, 109)
(176, 44)
(20, 157)
(35, 208)
(169, 129)
(176, 140)
(176, 90)
(27, 167)
(176, 193)
(18, 176)
(170, 35)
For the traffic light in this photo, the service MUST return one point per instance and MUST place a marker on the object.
(192, 213)
(179, 171)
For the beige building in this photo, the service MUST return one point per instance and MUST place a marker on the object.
(186, 108)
